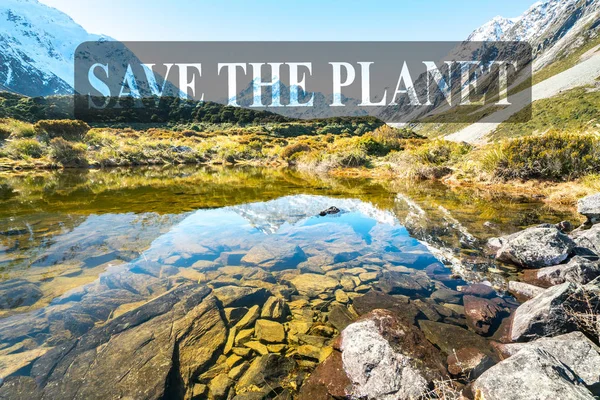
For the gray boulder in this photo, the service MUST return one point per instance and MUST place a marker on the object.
(577, 270)
(590, 207)
(574, 350)
(544, 315)
(531, 374)
(588, 239)
(524, 291)
(389, 359)
(536, 247)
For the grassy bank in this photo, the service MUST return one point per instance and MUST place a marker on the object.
(559, 165)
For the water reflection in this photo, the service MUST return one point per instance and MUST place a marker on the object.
(61, 229)
(83, 253)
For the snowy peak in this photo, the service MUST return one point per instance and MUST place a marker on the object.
(532, 24)
(37, 46)
(493, 30)
(554, 28)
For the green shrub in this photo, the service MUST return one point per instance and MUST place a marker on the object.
(24, 149)
(100, 138)
(15, 129)
(293, 149)
(353, 159)
(554, 156)
(441, 152)
(63, 128)
(67, 153)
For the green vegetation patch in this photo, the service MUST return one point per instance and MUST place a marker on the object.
(553, 156)
(576, 110)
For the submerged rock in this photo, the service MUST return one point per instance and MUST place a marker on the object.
(274, 256)
(328, 379)
(139, 353)
(241, 296)
(274, 308)
(589, 207)
(398, 283)
(469, 363)
(376, 300)
(450, 338)
(266, 371)
(312, 285)
(18, 293)
(387, 358)
(447, 296)
(340, 317)
(479, 290)
(536, 247)
(483, 315)
(269, 331)
(530, 374)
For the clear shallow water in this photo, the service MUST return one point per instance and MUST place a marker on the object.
(83, 248)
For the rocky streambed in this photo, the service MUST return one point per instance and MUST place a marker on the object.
(292, 299)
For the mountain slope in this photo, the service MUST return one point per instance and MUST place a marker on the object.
(554, 28)
(37, 44)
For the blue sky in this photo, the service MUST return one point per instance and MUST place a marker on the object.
(287, 20)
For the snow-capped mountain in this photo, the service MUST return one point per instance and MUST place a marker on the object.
(553, 27)
(493, 30)
(37, 44)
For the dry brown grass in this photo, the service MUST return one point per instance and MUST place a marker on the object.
(583, 308)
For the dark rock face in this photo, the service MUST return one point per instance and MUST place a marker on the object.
(577, 270)
(531, 374)
(535, 247)
(328, 379)
(18, 293)
(152, 352)
(386, 357)
(590, 208)
(275, 256)
(483, 315)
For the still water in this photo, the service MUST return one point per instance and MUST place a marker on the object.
(80, 250)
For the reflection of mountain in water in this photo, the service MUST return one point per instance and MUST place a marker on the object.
(270, 216)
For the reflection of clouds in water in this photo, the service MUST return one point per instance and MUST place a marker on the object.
(291, 219)
(271, 215)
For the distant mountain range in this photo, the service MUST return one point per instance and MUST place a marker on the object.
(37, 42)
